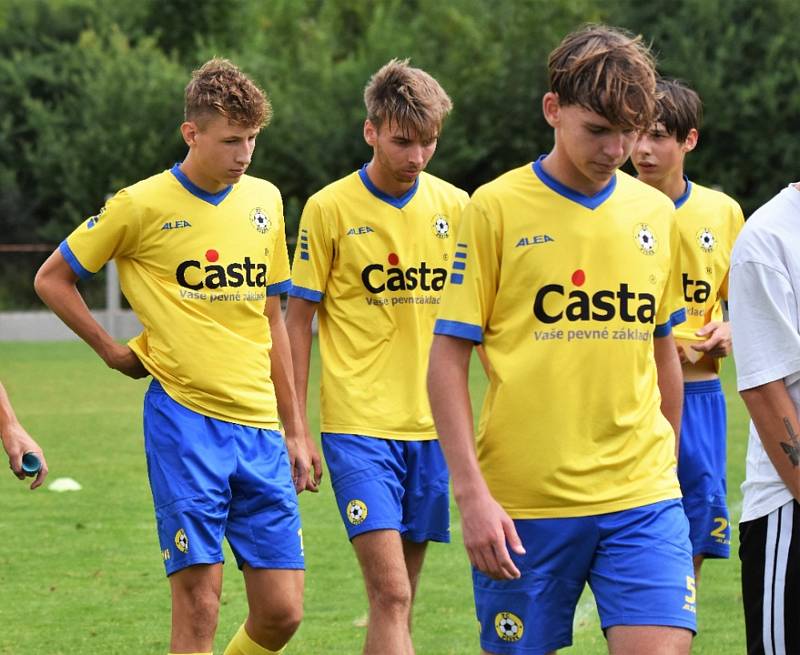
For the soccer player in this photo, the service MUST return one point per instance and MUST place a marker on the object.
(202, 260)
(567, 270)
(16, 441)
(372, 258)
(765, 309)
(708, 222)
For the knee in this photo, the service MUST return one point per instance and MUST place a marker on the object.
(392, 598)
(197, 613)
(281, 619)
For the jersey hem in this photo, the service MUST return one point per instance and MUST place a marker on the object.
(279, 287)
(72, 260)
(333, 430)
(306, 293)
(458, 329)
(593, 510)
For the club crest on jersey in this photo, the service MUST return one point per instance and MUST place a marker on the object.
(509, 626)
(645, 238)
(182, 541)
(356, 512)
(260, 220)
(706, 239)
(94, 220)
(441, 226)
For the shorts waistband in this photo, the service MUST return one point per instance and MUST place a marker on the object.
(155, 387)
(703, 386)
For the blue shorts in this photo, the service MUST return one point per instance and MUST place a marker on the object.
(701, 468)
(211, 479)
(638, 563)
(387, 484)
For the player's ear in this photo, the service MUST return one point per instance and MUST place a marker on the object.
(551, 108)
(370, 132)
(189, 132)
(691, 140)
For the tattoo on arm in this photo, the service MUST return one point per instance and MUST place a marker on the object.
(791, 447)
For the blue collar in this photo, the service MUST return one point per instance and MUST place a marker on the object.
(400, 202)
(685, 196)
(191, 187)
(590, 202)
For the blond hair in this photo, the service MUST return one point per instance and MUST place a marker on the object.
(608, 71)
(219, 87)
(408, 97)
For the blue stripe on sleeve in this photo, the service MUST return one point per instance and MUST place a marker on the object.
(678, 316)
(306, 294)
(72, 260)
(663, 330)
(458, 329)
(278, 288)
(459, 266)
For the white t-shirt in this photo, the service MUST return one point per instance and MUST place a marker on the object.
(765, 318)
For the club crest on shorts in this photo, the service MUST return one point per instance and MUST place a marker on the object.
(356, 512)
(260, 220)
(441, 226)
(182, 541)
(645, 238)
(706, 240)
(508, 626)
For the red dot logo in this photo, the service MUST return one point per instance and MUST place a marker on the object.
(578, 278)
(212, 255)
(394, 260)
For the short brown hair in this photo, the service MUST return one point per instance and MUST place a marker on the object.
(219, 87)
(678, 107)
(608, 71)
(408, 97)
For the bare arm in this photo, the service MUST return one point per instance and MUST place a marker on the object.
(282, 379)
(486, 526)
(776, 421)
(718, 341)
(56, 285)
(670, 383)
(16, 441)
(299, 316)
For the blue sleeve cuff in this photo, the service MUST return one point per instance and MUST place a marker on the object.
(306, 294)
(278, 288)
(458, 329)
(677, 317)
(73, 262)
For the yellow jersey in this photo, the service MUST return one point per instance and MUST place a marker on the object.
(567, 292)
(708, 222)
(196, 268)
(376, 265)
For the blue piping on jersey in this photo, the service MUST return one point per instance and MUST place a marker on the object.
(590, 202)
(400, 202)
(458, 329)
(678, 316)
(191, 187)
(72, 260)
(306, 294)
(685, 196)
(279, 287)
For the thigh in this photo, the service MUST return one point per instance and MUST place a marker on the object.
(770, 551)
(650, 639)
(274, 591)
(263, 527)
(642, 573)
(701, 468)
(426, 494)
(534, 614)
(188, 464)
(366, 475)
(382, 558)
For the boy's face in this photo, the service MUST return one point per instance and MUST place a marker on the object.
(658, 155)
(220, 150)
(399, 154)
(589, 147)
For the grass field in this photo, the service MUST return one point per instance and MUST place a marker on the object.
(81, 572)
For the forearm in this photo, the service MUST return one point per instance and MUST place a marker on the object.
(298, 330)
(282, 370)
(670, 383)
(448, 391)
(7, 417)
(775, 418)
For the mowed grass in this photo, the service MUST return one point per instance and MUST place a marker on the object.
(81, 572)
